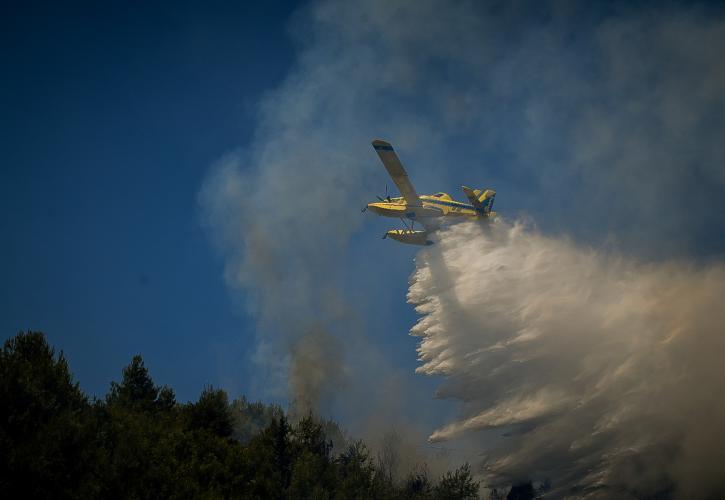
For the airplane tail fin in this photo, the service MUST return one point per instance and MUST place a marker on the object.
(482, 200)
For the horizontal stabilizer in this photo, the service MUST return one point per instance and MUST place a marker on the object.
(482, 200)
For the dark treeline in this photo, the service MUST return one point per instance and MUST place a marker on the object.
(139, 442)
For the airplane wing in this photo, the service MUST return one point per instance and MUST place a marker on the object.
(397, 172)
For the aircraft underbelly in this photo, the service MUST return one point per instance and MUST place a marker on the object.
(422, 212)
(408, 212)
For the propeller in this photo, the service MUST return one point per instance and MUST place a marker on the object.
(387, 196)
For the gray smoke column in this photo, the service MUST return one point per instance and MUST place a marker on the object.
(315, 371)
(267, 223)
(604, 374)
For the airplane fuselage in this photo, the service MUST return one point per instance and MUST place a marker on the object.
(428, 210)
(437, 205)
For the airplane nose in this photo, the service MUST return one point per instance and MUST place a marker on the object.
(376, 208)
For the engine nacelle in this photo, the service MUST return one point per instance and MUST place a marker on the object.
(409, 236)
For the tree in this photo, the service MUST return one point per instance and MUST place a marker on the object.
(137, 390)
(139, 432)
(44, 447)
(251, 418)
(139, 443)
(417, 486)
(311, 472)
(389, 455)
(271, 457)
(355, 472)
(212, 413)
(309, 436)
(522, 491)
(458, 485)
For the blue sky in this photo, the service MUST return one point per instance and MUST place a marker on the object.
(184, 180)
(111, 116)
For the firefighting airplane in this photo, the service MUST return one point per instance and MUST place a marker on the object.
(427, 210)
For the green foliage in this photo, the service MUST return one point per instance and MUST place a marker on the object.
(138, 442)
(312, 473)
(212, 413)
(138, 432)
(138, 392)
(44, 448)
(249, 419)
(457, 485)
(355, 472)
(271, 457)
(417, 486)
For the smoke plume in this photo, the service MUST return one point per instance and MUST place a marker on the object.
(605, 120)
(603, 374)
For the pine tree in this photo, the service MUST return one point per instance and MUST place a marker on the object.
(457, 485)
(45, 450)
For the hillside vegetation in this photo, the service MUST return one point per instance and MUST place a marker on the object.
(139, 442)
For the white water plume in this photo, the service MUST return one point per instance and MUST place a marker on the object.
(603, 374)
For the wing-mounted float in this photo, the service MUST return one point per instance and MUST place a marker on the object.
(427, 210)
(409, 236)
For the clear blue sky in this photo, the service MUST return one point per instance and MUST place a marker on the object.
(111, 114)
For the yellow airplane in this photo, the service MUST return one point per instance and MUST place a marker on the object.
(427, 210)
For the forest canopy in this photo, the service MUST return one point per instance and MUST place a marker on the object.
(139, 442)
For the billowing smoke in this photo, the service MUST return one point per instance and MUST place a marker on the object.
(599, 373)
(314, 371)
(603, 120)
(262, 222)
(285, 242)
